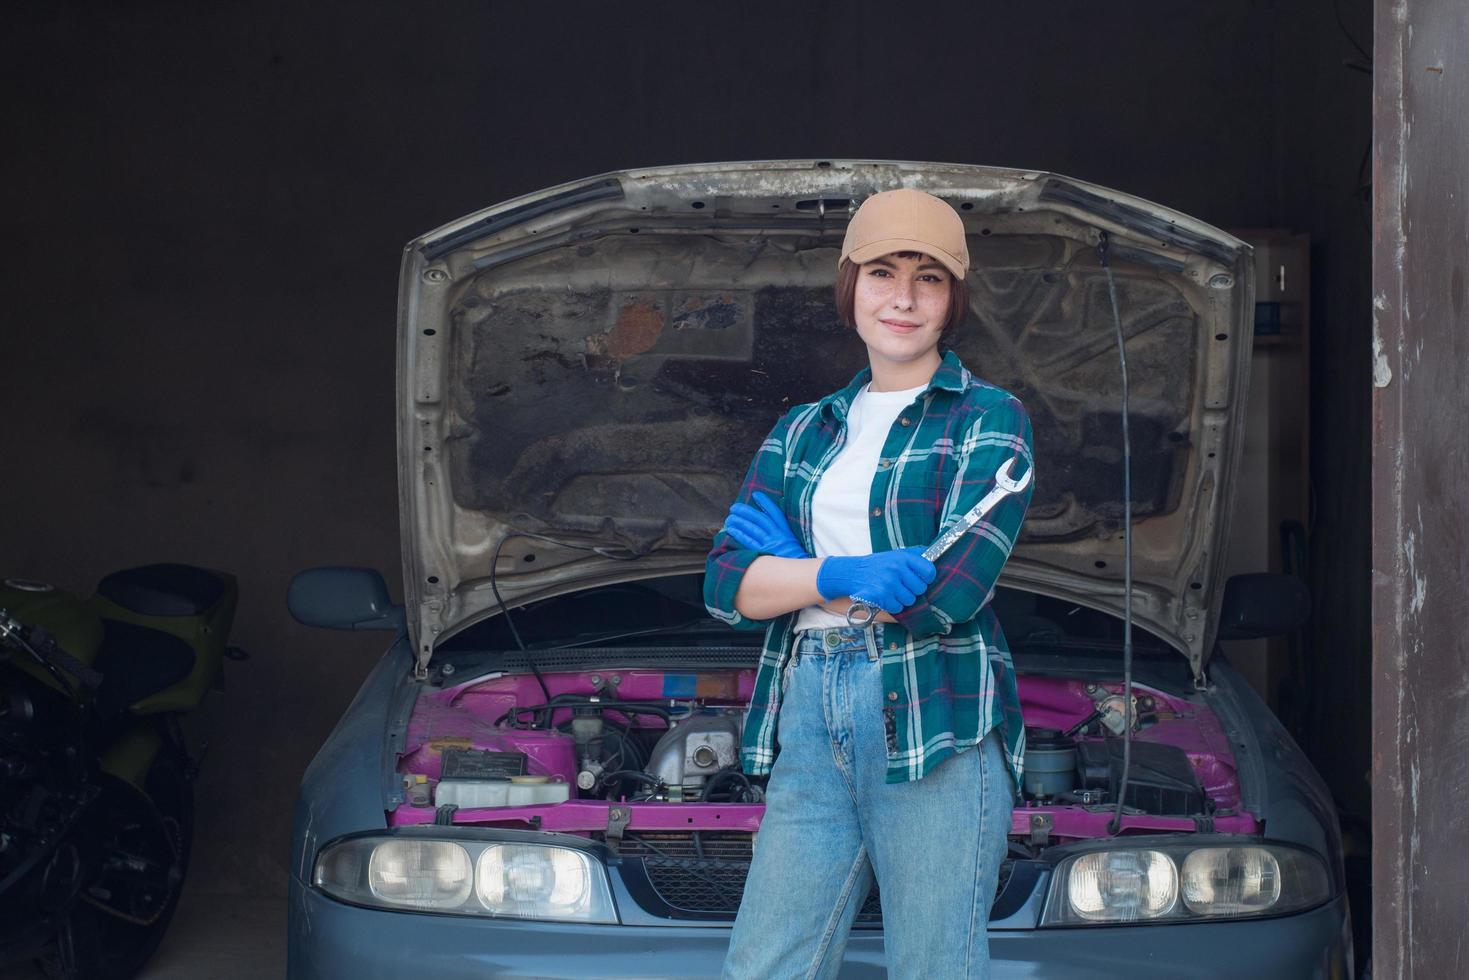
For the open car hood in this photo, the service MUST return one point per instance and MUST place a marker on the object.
(597, 362)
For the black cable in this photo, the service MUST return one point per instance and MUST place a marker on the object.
(625, 751)
(495, 588)
(617, 758)
(1115, 824)
(628, 754)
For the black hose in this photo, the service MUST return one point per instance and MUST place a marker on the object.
(724, 775)
(569, 698)
(505, 611)
(607, 778)
(623, 707)
(628, 752)
(1074, 729)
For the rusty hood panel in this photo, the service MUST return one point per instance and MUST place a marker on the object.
(595, 364)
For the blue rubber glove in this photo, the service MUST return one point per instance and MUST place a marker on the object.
(890, 580)
(763, 528)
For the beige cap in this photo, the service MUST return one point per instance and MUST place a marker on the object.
(907, 220)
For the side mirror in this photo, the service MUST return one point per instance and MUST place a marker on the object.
(1262, 604)
(343, 599)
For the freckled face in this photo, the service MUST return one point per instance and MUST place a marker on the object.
(900, 305)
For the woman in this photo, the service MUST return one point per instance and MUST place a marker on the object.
(893, 741)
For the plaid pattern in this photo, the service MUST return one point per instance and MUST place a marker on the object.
(945, 666)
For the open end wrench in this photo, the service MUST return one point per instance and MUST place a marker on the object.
(861, 613)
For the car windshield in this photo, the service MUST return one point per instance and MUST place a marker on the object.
(666, 611)
(669, 612)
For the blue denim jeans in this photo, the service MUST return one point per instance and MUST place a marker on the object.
(832, 821)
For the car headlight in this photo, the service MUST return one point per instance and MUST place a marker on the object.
(1184, 882)
(1120, 886)
(467, 877)
(422, 874)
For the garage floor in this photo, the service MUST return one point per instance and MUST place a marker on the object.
(213, 937)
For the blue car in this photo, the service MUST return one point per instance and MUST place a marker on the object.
(541, 776)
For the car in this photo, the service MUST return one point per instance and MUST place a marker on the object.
(541, 776)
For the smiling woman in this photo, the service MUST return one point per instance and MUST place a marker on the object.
(867, 476)
(902, 305)
(850, 273)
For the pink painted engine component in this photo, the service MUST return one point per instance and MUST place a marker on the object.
(1052, 702)
(438, 724)
(472, 715)
(478, 711)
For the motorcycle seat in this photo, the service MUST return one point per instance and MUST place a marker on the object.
(163, 590)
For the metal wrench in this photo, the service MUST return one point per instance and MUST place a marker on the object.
(861, 613)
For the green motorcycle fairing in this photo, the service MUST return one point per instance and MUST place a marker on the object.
(79, 626)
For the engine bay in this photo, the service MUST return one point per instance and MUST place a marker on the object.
(596, 752)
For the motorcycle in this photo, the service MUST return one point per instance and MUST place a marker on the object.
(96, 781)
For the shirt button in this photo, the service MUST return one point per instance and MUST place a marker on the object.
(904, 421)
(877, 512)
(892, 646)
(892, 695)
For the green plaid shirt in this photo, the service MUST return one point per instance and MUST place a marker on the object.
(945, 667)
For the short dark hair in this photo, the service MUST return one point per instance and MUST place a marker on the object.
(846, 292)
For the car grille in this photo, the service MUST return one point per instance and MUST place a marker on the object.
(705, 873)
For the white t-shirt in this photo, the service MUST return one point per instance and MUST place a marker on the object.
(840, 507)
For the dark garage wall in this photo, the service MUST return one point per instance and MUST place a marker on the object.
(205, 206)
(1323, 126)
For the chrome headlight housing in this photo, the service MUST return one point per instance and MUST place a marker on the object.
(1151, 882)
(514, 878)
